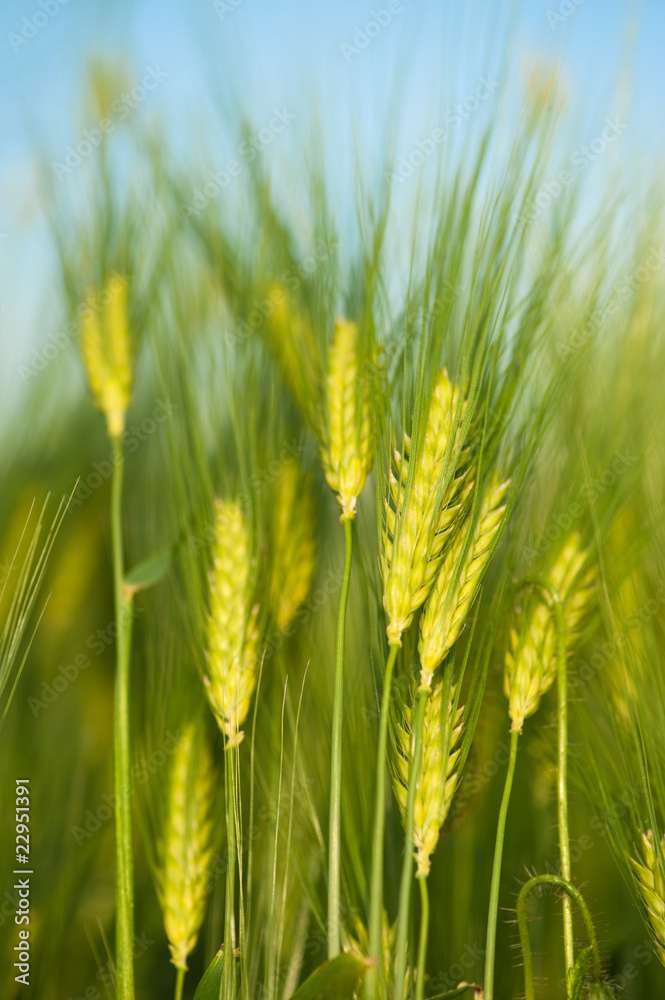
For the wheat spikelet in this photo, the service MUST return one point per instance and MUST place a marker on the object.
(439, 773)
(187, 845)
(651, 885)
(416, 527)
(107, 353)
(291, 338)
(445, 610)
(295, 546)
(530, 661)
(347, 451)
(233, 636)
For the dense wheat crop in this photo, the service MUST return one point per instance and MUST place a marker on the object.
(338, 670)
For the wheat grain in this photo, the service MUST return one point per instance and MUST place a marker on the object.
(530, 661)
(106, 350)
(233, 636)
(294, 546)
(439, 773)
(347, 449)
(651, 886)
(418, 526)
(455, 587)
(187, 845)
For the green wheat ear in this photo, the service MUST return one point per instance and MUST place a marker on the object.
(439, 771)
(417, 526)
(233, 636)
(187, 844)
(456, 586)
(294, 554)
(105, 344)
(651, 886)
(346, 452)
(530, 661)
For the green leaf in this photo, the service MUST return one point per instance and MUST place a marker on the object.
(335, 980)
(578, 974)
(150, 571)
(210, 986)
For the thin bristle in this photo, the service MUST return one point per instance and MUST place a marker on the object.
(232, 633)
(446, 609)
(347, 451)
(417, 527)
(187, 845)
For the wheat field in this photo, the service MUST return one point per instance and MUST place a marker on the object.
(332, 537)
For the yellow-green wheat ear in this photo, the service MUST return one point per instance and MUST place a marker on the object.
(233, 637)
(530, 660)
(294, 555)
(456, 585)
(346, 452)
(105, 343)
(187, 844)
(439, 771)
(418, 526)
(650, 880)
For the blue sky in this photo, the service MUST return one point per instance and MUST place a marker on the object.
(422, 58)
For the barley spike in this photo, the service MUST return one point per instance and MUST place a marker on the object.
(651, 886)
(295, 546)
(107, 355)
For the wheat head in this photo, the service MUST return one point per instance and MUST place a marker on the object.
(232, 633)
(417, 527)
(530, 661)
(454, 591)
(439, 773)
(291, 339)
(187, 844)
(346, 451)
(651, 886)
(294, 546)
(106, 350)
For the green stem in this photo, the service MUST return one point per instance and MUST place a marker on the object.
(562, 779)
(407, 860)
(122, 768)
(336, 757)
(422, 942)
(228, 979)
(490, 948)
(522, 920)
(376, 885)
(179, 983)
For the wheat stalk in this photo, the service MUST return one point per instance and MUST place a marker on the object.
(530, 660)
(187, 844)
(294, 553)
(456, 586)
(439, 773)
(105, 344)
(346, 452)
(233, 636)
(417, 524)
(651, 886)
